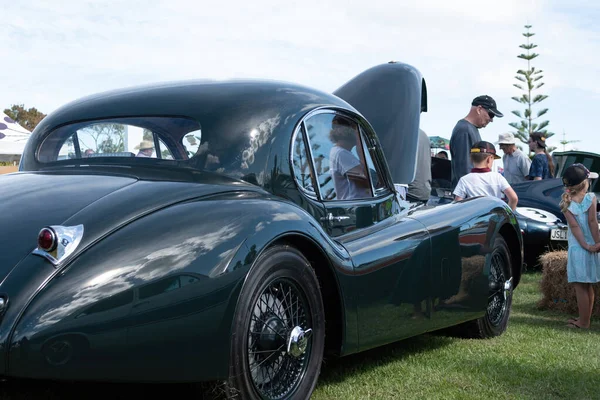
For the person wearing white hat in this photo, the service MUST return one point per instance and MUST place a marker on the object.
(516, 164)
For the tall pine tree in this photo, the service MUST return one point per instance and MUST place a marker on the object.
(529, 81)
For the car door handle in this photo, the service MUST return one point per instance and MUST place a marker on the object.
(331, 218)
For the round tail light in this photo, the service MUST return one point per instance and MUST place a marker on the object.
(47, 240)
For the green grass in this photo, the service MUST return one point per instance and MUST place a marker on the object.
(536, 358)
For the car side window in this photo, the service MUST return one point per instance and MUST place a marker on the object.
(191, 142)
(374, 171)
(301, 164)
(165, 153)
(339, 157)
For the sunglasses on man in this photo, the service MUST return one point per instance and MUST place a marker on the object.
(491, 114)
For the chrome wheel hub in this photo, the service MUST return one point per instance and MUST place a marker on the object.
(297, 341)
(507, 288)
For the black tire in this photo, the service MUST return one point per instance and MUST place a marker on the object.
(281, 293)
(495, 320)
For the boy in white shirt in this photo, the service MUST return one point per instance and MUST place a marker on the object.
(482, 181)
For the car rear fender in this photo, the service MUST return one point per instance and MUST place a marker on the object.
(212, 242)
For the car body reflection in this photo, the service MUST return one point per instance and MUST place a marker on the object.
(122, 319)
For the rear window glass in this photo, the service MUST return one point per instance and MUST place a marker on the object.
(168, 138)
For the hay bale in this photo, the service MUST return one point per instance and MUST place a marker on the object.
(557, 293)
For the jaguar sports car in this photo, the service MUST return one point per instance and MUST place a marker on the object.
(238, 232)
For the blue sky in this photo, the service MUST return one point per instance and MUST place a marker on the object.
(57, 53)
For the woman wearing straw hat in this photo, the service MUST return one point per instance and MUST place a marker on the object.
(516, 164)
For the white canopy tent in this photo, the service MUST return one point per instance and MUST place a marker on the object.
(13, 138)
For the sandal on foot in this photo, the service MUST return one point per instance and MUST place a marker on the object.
(573, 325)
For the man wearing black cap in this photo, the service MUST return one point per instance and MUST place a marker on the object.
(466, 133)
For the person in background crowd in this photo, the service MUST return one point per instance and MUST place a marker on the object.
(420, 188)
(516, 164)
(583, 259)
(442, 154)
(482, 181)
(542, 166)
(466, 133)
(146, 148)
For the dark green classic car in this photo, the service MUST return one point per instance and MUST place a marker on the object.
(237, 232)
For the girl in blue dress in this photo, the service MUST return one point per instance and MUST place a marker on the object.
(583, 262)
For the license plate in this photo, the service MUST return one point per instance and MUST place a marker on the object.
(558, 234)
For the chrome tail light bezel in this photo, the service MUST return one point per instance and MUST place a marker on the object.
(67, 240)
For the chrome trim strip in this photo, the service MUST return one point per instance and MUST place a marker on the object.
(311, 162)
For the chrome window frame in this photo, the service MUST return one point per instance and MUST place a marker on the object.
(301, 130)
(366, 143)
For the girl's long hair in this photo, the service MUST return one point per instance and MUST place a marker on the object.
(567, 196)
(540, 141)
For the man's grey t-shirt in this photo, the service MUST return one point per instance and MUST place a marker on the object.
(420, 188)
(464, 136)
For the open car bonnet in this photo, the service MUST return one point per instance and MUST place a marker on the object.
(391, 97)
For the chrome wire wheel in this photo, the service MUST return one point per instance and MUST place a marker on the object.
(279, 339)
(501, 289)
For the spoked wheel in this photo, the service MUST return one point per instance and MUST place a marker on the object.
(500, 289)
(495, 320)
(278, 340)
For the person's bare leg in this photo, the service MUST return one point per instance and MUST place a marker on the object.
(583, 305)
(592, 296)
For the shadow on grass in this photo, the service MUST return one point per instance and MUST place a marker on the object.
(337, 369)
(526, 310)
(51, 390)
